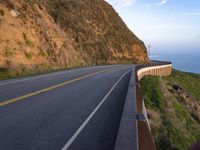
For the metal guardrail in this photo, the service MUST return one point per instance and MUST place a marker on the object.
(144, 135)
(127, 133)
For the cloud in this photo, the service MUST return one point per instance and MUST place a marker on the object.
(192, 13)
(126, 2)
(162, 2)
(121, 3)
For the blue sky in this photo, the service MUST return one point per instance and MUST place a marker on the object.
(168, 25)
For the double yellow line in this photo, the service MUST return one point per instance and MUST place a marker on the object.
(6, 102)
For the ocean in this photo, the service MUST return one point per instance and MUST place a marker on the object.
(187, 62)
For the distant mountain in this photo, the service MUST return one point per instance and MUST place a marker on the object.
(64, 33)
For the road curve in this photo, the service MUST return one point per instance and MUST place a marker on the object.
(78, 109)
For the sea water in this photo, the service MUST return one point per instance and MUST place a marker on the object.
(187, 62)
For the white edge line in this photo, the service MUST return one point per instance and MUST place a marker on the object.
(71, 140)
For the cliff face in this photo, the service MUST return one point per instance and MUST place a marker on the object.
(43, 33)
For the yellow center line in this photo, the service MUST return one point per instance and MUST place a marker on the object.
(6, 102)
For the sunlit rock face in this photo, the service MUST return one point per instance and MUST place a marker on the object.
(46, 33)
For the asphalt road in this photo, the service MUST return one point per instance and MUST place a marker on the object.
(78, 109)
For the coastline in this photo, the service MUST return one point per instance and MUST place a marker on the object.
(185, 62)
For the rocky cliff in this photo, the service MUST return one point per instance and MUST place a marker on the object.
(64, 33)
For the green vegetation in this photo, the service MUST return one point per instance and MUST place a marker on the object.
(152, 94)
(189, 81)
(177, 126)
(29, 43)
(7, 73)
(29, 55)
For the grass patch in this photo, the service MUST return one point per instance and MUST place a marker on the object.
(179, 129)
(152, 93)
(29, 55)
(6, 73)
(29, 43)
(189, 81)
(3, 69)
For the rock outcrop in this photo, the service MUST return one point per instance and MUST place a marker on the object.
(64, 33)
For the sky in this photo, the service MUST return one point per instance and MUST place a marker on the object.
(168, 25)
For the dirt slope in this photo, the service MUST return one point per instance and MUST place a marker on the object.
(64, 33)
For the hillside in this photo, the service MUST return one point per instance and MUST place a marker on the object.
(43, 34)
(173, 106)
